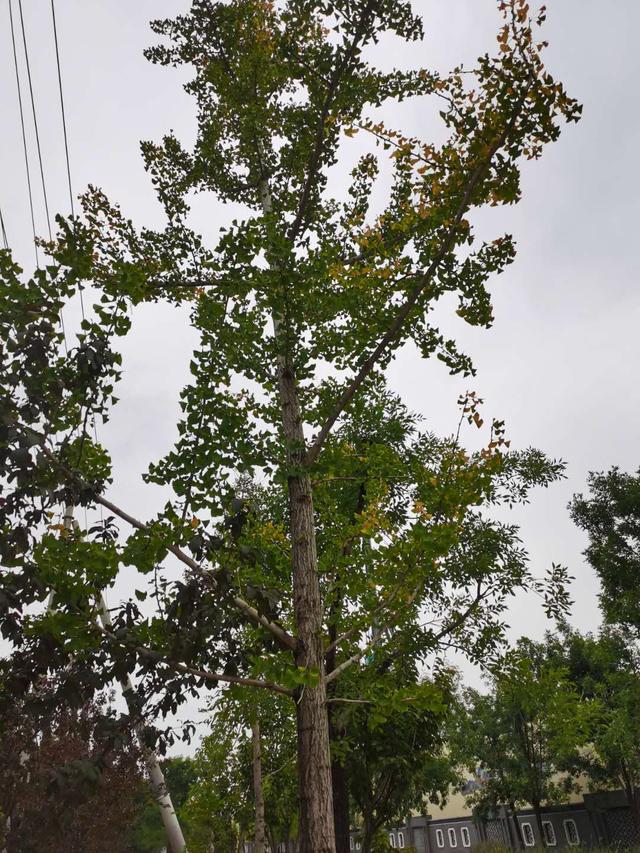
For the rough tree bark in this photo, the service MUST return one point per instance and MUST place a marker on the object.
(314, 760)
(316, 831)
(258, 796)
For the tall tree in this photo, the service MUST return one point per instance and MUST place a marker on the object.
(300, 306)
(610, 516)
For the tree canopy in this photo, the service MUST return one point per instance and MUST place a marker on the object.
(299, 304)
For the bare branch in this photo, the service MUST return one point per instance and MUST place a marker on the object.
(354, 658)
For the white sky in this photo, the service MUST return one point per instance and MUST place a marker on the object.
(559, 365)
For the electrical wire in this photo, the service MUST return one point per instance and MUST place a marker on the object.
(69, 182)
(35, 119)
(5, 242)
(24, 135)
(64, 130)
(64, 118)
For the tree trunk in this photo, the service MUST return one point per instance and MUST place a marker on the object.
(516, 826)
(538, 816)
(314, 759)
(340, 786)
(175, 838)
(259, 833)
(316, 832)
(339, 773)
(368, 835)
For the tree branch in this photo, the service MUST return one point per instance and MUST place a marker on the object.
(354, 658)
(462, 618)
(200, 673)
(396, 325)
(284, 638)
(358, 629)
(314, 160)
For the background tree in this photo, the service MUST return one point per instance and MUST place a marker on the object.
(279, 88)
(605, 670)
(476, 740)
(524, 732)
(220, 811)
(52, 798)
(610, 516)
(396, 753)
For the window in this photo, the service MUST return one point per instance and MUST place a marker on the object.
(439, 838)
(392, 839)
(549, 833)
(401, 839)
(527, 835)
(571, 832)
(466, 840)
(453, 838)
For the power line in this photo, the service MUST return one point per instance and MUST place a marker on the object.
(64, 119)
(24, 135)
(64, 131)
(68, 163)
(4, 233)
(35, 119)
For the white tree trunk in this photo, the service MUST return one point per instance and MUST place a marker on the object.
(172, 827)
(175, 838)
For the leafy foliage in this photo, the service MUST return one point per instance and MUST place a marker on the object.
(524, 732)
(395, 751)
(63, 785)
(606, 671)
(220, 808)
(610, 516)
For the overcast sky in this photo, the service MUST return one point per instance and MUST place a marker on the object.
(560, 363)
